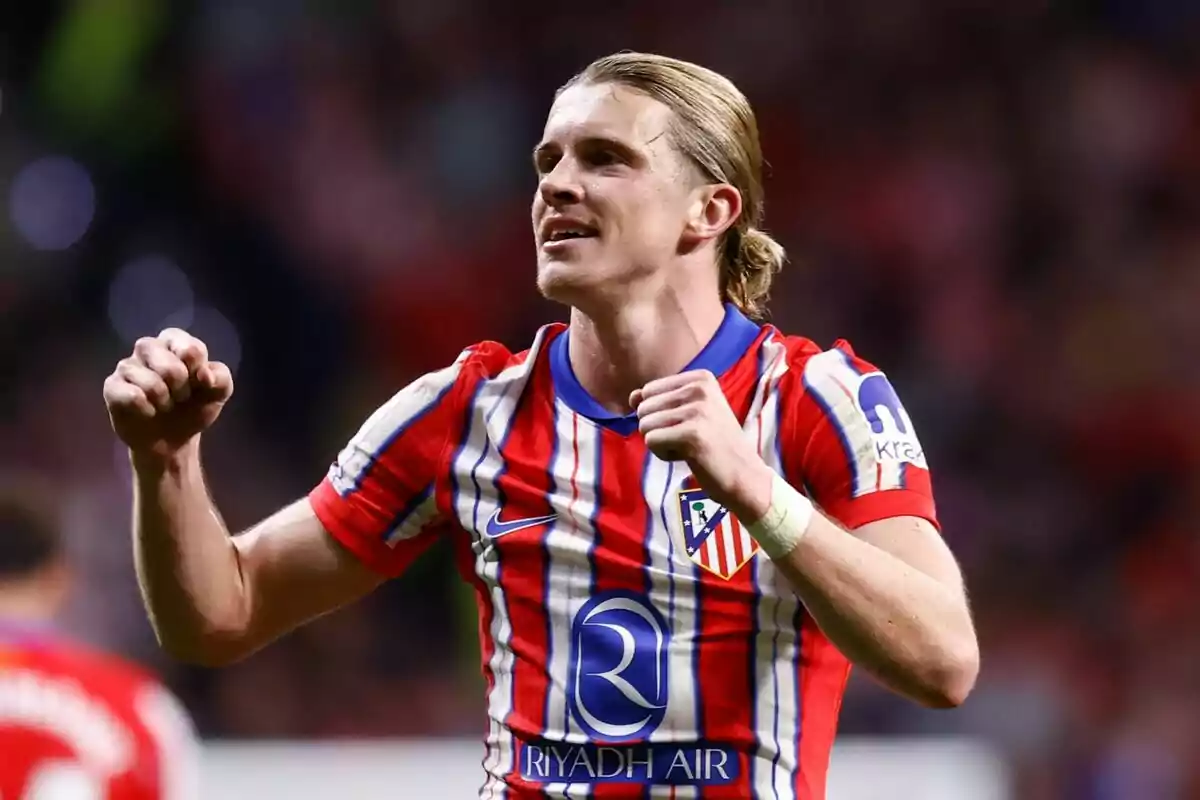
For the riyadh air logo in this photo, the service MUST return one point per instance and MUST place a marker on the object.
(617, 682)
(891, 428)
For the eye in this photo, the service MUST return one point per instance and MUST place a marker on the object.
(604, 157)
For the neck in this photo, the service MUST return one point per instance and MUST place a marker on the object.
(617, 350)
(32, 601)
(24, 609)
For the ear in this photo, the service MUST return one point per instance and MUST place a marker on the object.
(715, 207)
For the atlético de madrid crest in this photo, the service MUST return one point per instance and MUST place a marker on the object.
(713, 537)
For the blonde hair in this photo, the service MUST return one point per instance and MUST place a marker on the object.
(715, 128)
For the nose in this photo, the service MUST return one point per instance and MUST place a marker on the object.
(560, 186)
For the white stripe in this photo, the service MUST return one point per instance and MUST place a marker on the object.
(364, 447)
(728, 531)
(417, 520)
(570, 571)
(774, 365)
(491, 416)
(833, 383)
(680, 724)
(831, 379)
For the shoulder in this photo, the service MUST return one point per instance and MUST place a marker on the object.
(836, 390)
(804, 354)
(830, 374)
(490, 359)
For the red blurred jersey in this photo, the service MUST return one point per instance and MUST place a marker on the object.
(636, 643)
(79, 724)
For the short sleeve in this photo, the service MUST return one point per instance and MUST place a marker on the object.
(852, 445)
(378, 499)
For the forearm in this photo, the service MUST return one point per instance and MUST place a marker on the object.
(187, 566)
(909, 630)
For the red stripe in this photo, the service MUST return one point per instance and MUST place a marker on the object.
(823, 676)
(622, 515)
(723, 565)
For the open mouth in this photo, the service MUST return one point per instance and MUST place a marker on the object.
(567, 230)
(578, 233)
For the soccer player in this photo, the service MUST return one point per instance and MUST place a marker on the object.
(75, 723)
(682, 525)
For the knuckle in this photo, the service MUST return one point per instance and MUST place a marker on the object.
(174, 371)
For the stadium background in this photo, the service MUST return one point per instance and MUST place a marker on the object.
(998, 202)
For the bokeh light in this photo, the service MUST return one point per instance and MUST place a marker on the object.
(145, 293)
(215, 330)
(52, 202)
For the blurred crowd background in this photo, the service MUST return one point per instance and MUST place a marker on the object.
(998, 202)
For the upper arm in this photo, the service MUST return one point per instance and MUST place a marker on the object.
(374, 512)
(293, 571)
(917, 543)
(855, 451)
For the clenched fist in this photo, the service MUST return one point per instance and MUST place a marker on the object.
(165, 393)
(686, 417)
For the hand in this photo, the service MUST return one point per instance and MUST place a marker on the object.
(166, 393)
(686, 417)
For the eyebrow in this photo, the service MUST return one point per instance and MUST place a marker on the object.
(604, 142)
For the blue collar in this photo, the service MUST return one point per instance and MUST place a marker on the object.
(731, 341)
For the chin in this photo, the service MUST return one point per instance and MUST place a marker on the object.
(565, 282)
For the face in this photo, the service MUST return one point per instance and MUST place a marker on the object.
(614, 197)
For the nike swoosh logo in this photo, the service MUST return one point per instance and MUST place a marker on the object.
(496, 528)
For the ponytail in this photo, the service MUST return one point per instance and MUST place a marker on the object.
(752, 259)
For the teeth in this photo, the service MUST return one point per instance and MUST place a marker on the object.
(568, 233)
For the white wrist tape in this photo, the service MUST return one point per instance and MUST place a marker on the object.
(783, 526)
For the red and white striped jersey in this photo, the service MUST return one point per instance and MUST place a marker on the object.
(635, 641)
(83, 724)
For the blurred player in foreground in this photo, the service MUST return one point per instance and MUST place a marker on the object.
(75, 724)
(681, 524)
